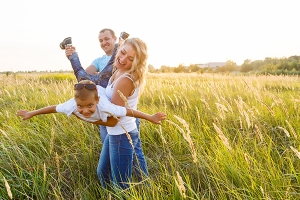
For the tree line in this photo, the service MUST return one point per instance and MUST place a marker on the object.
(290, 65)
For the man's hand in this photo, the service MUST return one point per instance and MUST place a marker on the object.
(25, 114)
(70, 50)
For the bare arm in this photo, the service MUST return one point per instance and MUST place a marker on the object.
(125, 86)
(110, 121)
(155, 119)
(91, 69)
(25, 114)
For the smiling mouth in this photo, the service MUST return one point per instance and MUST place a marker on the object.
(86, 115)
(120, 62)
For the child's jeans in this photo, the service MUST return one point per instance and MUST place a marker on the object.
(101, 78)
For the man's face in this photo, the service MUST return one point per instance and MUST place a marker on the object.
(88, 106)
(107, 42)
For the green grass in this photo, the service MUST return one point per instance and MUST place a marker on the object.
(55, 157)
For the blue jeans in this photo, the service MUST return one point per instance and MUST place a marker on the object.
(103, 133)
(116, 158)
(139, 161)
(101, 78)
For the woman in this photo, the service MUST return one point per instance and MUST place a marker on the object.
(128, 79)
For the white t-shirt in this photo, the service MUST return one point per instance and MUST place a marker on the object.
(103, 106)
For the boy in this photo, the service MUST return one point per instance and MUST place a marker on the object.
(91, 104)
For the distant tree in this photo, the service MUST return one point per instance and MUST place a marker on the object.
(229, 67)
(180, 68)
(151, 68)
(193, 68)
(166, 69)
(246, 66)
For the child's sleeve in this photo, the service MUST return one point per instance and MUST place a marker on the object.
(106, 106)
(67, 107)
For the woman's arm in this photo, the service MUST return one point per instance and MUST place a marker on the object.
(25, 114)
(110, 121)
(125, 86)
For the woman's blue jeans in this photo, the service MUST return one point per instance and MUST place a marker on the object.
(116, 158)
(139, 161)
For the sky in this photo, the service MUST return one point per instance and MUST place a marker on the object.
(176, 31)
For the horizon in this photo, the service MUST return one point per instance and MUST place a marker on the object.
(71, 70)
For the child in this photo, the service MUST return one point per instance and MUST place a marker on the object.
(91, 104)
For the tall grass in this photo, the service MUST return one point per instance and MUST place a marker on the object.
(226, 137)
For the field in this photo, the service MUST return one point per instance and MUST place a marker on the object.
(226, 137)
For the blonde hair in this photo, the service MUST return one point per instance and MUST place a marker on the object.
(84, 93)
(139, 68)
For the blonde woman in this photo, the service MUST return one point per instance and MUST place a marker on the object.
(128, 79)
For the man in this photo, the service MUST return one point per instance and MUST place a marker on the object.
(100, 71)
(107, 39)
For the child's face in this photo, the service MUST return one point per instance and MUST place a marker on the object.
(88, 106)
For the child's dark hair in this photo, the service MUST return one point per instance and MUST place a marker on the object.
(85, 93)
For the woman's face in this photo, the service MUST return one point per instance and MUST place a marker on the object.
(125, 57)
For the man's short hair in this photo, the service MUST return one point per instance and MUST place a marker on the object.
(111, 32)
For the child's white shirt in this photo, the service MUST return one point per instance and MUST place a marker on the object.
(103, 106)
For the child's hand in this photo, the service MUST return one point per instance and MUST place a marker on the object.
(25, 114)
(158, 117)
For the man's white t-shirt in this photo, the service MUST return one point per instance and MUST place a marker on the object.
(104, 108)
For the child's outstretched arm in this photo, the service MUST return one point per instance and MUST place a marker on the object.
(155, 119)
(25, 114)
